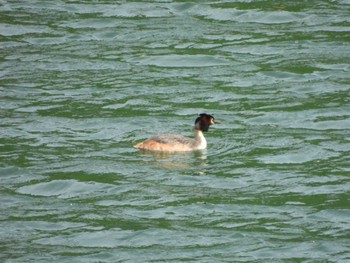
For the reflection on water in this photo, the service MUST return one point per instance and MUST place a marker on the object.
(177, 160)
(82, 80)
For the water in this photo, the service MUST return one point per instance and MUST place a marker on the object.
(81, 82)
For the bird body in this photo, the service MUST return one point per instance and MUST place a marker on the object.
(178, 143)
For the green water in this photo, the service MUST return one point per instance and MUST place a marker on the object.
(82, 81)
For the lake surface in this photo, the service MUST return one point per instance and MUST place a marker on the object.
(82, 81)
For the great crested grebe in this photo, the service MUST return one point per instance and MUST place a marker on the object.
(178, 143)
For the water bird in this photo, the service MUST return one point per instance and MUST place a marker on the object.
(178, 143)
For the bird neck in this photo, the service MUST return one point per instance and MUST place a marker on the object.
(201, 142)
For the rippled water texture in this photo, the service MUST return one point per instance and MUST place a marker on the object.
(82, 81)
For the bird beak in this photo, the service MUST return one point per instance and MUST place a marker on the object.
(215, 122)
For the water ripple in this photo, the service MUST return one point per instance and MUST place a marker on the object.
(81, 82)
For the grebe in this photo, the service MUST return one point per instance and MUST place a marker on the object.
(178, 143)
